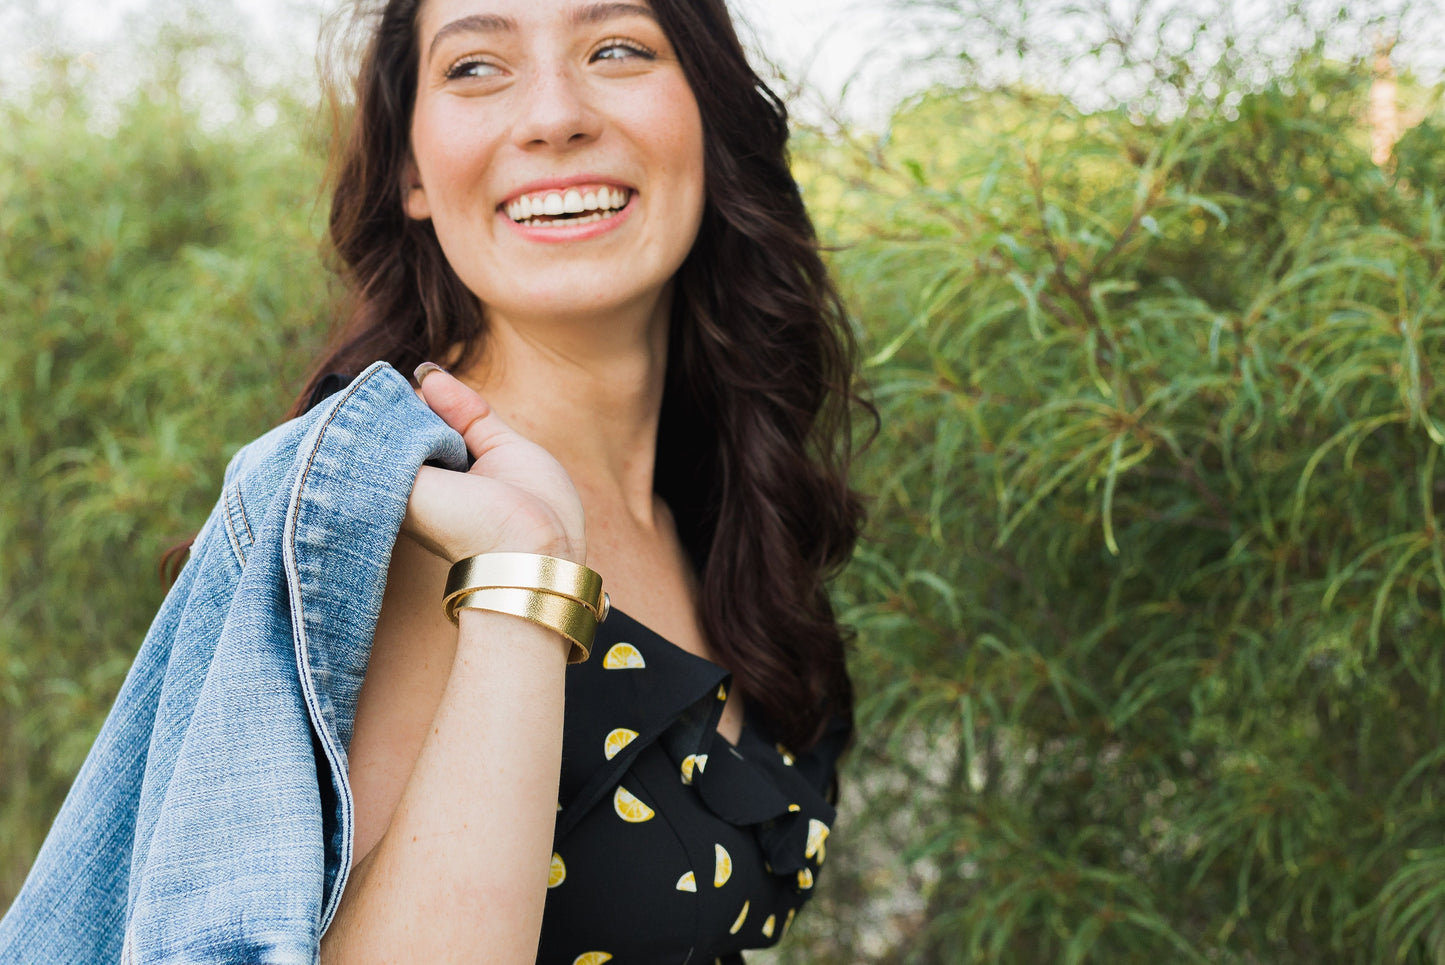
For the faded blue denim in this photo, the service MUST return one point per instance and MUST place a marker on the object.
(212, 820)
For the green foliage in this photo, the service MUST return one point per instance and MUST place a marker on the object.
(152, 318)
(1151, 609)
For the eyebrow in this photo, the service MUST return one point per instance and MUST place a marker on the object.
(493, 23)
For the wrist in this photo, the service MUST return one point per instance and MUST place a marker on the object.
(561, 548)
(454, 547)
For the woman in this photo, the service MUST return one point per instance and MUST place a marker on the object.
(584, 210)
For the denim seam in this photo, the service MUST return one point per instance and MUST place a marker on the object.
(241, 511)
(303, 655)
(231, 533)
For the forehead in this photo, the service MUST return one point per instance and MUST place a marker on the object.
(434, 16)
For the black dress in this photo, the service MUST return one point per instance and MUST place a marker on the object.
(673, 845)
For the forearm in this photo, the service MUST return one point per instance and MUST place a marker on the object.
(460, 873)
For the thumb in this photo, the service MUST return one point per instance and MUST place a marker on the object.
(460, 407)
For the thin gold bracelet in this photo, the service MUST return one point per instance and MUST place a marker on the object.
(568, 617)
(526, 571)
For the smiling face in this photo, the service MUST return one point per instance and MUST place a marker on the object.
(557, 150)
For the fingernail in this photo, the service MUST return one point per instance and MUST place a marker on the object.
(425, 369)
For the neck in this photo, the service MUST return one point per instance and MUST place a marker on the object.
(588, 390)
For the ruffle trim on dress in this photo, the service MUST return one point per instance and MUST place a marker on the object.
(639, 689)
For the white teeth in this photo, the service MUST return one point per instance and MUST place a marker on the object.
(602, 200)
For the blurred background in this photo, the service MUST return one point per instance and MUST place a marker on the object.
(1149, 617)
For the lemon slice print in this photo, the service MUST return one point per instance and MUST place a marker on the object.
(769, 925)
(691, 762)
(619, 739)
(592, 958)
(722, 691)
(742, 917)
(623, 656)
(629, 808)
(817, 834)
(687, 882)
(724, 869)
(557, 873)
(783, 753)
(805, 878)
(791, 808)
(787, 922)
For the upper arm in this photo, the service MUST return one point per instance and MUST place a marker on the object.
(411, 659)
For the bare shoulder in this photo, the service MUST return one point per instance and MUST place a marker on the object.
(411, 660)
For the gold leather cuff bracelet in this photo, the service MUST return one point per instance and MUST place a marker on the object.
(527, 571)
(566, 616)
(550, 592)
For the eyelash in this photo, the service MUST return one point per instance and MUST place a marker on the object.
(459, 68)
(641, 50)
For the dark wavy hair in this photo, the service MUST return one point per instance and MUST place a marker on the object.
(755, 435)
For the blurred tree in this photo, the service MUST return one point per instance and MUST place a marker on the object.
(160, 294)
(1150, 614)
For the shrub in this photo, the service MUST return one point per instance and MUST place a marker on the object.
(1150, 614)
(160, 293)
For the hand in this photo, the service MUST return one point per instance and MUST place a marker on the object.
(515, 498)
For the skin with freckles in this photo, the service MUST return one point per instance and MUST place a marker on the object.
(455, 757)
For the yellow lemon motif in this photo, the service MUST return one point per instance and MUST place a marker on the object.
(817, 834)
(691, 762)
(769, 925)
(617, 740)
(592, 958)
(722, 691)
(742, 917)
(783, 751)
(623, 656)
(629, 808)
(805, 878)
(724, 869)
(687, 882)
(557, 873)
(788, 922)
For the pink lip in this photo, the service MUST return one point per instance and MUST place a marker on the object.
(561, 184)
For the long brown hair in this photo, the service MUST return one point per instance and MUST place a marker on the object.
(755, 434)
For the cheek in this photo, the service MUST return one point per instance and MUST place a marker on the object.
(681, 142)
(450, 155)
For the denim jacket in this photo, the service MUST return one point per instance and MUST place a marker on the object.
(212, 819)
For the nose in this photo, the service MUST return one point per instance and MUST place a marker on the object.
(556, 110)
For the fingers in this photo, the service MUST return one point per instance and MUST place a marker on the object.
(459, 407)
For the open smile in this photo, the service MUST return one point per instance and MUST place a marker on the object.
(570, 207)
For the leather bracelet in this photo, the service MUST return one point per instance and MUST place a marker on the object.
(526, 571)
(563, 614)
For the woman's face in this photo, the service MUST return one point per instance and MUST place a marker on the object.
(557, 150)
